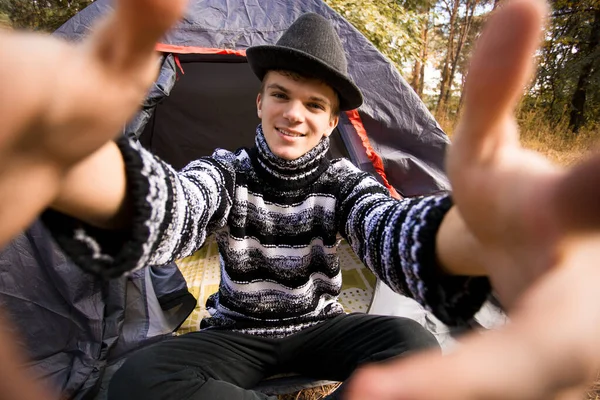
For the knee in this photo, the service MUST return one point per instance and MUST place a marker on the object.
(142, 377)
(130, 381)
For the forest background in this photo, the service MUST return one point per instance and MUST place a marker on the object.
(429, 41)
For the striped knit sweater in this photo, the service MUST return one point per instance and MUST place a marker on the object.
(277, 224)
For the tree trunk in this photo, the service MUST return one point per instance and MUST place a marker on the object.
(462, 93)
(428, 21)
(418, 75)
(466, 26)
(577, 118)
(440, 107)
(415, 82)
(422, 84)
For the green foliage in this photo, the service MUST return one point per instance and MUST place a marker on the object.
(4, 20)
(569, 61)
(41, 15)
(393, 26)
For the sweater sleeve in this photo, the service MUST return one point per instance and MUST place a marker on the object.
(172, 214)
(396, 239)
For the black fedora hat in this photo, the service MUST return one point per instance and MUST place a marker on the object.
(310, 47)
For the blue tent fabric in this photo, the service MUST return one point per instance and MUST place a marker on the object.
(72, 325)
(159, 90)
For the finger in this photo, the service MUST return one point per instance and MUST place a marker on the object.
(129, 37)
(456, 378)
(493, 368)
(119, 64)
(521, 361)
(500, 67)
(145, 21)
(25, 89)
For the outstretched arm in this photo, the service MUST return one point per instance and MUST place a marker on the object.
(60, 109)
(72, 100)
(504, 223)
(536, 230)
(396, 240)
(503, 191)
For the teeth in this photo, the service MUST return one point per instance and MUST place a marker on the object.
(289, 133)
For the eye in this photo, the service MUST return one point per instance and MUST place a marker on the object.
(316, 106)
(279, 95)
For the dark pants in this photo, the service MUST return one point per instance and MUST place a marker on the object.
(217, 364)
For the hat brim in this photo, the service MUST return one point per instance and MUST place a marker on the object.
(269, 57)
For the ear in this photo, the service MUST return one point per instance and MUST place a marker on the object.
(259, 105)
(333, 122)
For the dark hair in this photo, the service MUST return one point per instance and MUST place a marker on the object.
(335, 108)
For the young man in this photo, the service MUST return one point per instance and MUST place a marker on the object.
(504, 194)
(276, 210)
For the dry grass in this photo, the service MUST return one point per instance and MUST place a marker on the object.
(557, 143)
(554, 140)
(593, 392)
(317, 393)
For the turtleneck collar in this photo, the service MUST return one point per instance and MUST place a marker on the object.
(290, 174)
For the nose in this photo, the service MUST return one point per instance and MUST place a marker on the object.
(294, 112)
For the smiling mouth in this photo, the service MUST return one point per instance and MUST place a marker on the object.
(288, 133)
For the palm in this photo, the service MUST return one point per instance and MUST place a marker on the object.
(117, 65)
(71, 101)
(506, 202)
(539, 226)
(512, 199)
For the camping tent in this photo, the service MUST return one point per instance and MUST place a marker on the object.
(77, 327)
(205, 96)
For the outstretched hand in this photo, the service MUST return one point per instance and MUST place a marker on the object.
(58, 104)
(538, 226)
(527, 213)
(61, 102)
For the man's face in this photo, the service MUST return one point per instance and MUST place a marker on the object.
(295, 113)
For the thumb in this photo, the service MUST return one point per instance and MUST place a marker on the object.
(422, 377)
(129, 36)
(494, 366)
(144, 22)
